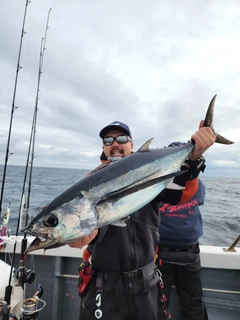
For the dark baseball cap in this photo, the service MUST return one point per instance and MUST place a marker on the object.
(115, 125)
(175, 144)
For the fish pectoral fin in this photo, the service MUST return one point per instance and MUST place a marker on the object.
(140, 186)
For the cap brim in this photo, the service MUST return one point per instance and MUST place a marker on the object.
(105, 130)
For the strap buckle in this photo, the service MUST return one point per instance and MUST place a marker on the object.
(132, 275)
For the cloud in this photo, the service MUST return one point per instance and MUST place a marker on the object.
(154, 65)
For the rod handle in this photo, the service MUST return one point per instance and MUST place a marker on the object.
(8, 292)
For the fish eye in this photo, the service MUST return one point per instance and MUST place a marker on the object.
(50, 220)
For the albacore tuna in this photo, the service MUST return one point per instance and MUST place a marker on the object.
(111, 193)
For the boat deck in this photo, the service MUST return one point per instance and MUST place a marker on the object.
(57, 273)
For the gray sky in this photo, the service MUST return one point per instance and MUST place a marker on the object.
(154, 65)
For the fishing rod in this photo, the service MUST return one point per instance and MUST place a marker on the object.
(42, 50)
(22, 274)
(8, 154)
(8, 290)
(24, 207)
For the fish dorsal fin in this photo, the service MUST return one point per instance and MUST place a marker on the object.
(145, 146)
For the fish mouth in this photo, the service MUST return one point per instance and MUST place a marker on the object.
(33, 246)
(43, 237)
(42, 240)
(38, 244)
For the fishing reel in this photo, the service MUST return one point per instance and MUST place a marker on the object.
(5, 312)
(30, 309)
(23, 275)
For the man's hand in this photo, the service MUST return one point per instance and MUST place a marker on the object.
(84, 241)
(203, 138)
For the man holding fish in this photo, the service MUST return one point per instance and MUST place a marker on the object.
(115, 210)
(124, 284)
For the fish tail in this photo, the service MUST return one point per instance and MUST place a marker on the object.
(208, 122)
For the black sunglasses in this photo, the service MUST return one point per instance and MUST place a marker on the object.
(120, 140)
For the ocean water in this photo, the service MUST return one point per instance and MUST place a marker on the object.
(220, 212)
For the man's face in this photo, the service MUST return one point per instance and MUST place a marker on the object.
(116, 149)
